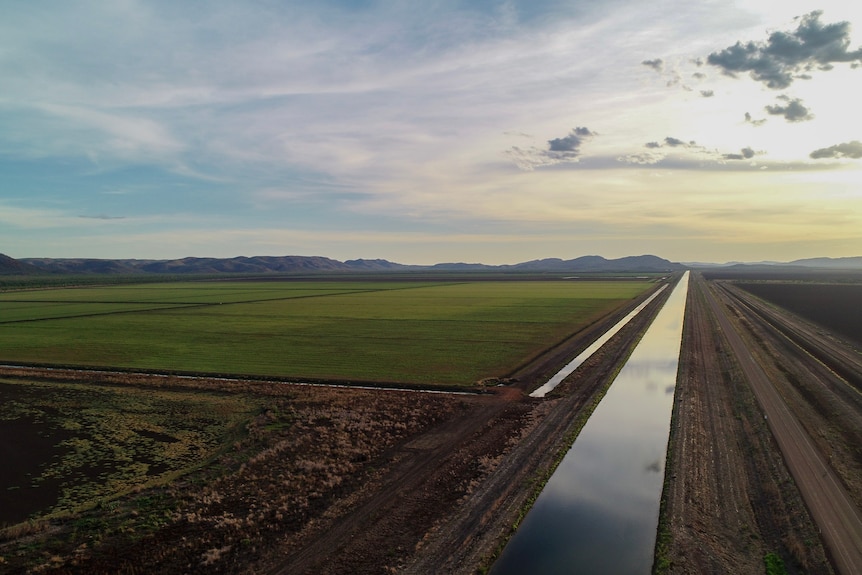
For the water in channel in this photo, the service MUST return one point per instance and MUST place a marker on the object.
(599, 511)
(593, 348)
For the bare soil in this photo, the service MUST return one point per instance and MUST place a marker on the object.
(837, 306)
(729, 497)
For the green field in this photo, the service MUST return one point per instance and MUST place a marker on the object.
(413, 332)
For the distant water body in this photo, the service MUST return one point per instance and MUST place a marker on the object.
(598, 513)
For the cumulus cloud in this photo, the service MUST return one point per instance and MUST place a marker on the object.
(657, 64)
(846, 150)
(570, 144)
(745, 154)
(699, 75)
(565, 149)
(786, 56)
(793, 111)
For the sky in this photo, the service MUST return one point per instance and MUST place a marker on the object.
(429, 132)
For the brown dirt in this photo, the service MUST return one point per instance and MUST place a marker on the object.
(730, 498)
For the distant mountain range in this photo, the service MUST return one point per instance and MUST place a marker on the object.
(313, 264)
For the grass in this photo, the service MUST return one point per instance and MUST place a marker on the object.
(774, 565)
(413, 332)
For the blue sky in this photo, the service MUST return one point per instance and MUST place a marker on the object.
(492, 132)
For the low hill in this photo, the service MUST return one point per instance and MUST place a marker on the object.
(830, 263)
(11, 266)
(646, 263)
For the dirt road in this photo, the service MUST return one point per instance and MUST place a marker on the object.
(829, 503)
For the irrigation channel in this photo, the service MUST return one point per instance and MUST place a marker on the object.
(593, 348)
(599, 511)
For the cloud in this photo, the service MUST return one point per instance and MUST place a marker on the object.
(657, 64)
(752, 121)
(571, 143)
(644, 158)
(707, 93)
(745, 154)
(672, 143)
(786, 55)
(846, 150)
(699, 75)
(655, 157)
(794, 111)
(559, 150)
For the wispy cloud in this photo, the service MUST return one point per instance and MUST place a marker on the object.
(395, 117)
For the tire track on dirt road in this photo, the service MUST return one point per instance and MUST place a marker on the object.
(830, 505)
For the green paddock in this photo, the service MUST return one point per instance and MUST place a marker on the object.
(410, 332)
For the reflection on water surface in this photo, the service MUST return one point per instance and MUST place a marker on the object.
(599, 511)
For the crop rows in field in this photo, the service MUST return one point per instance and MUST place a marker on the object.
(451, 333)
(837, 307)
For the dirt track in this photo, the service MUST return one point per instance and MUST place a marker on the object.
(765, 476)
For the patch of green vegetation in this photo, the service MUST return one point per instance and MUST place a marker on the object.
(450, 333)
(774, 565)
(16, 311)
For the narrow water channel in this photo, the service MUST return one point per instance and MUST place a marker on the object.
(599, 511)
(593, 348)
